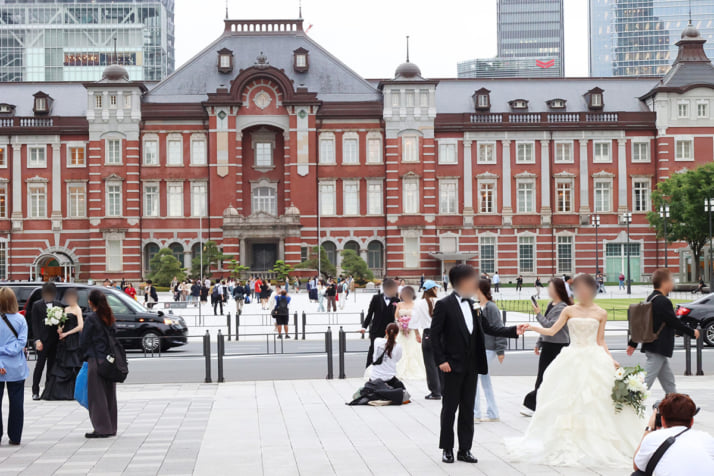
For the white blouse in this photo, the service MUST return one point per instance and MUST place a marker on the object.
(420, 315)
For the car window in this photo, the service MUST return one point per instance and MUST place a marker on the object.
(118, 307)
(83, 298)
(22, 293)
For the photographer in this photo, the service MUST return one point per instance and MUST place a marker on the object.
(669, 445)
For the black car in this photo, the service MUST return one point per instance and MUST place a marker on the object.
(699, 313)
(137, 327)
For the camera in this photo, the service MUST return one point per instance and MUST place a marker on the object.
(658, 417)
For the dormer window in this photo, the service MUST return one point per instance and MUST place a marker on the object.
(482, 99)
(594, 98)
(42, 103)
(7, 109)
(518, 104)
(556, 103)
(225, 60)
(301, 60)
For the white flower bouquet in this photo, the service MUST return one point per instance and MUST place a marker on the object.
(55, 316)
(630, 389)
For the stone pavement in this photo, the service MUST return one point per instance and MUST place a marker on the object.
(300, 427)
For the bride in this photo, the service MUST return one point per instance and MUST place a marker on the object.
(411, 365)
(575, 423)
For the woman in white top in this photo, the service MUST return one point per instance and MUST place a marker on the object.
(387, 353)
(421, 320)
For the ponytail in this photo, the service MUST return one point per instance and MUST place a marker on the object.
(392, 331)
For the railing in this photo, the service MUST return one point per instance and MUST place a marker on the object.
(544, 117)
(259, 26)
(27, 122)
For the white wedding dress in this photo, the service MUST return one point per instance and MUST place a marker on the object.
(575, 423)
(411, 365)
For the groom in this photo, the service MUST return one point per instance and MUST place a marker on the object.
(458, 345)
(380, 314)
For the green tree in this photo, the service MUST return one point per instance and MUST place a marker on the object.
(353, 264)
(164, 266)
(237, 268)
(282, 270)
(212, 258)
(685, 194)
(326, 268)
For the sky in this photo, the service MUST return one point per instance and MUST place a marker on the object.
(369, 35)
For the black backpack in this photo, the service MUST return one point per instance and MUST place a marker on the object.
(281, 308)
(114, 367)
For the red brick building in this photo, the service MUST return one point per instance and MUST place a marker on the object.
(267, 144)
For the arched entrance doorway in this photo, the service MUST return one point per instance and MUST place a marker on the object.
(52, 267)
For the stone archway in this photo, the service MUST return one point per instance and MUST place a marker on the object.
(54, 264)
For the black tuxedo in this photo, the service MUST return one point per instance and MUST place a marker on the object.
(49, 338)
(466, 354)
(379, 315)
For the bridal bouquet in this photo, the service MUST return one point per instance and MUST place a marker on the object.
(403, 323)
(55, 316)
(630, 389)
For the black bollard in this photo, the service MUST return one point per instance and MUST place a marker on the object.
(221, 349)
(207, 355)
(304, 323)
(687, 355)
(237, 324)
(228, 324)
(700, 345)
(295, 318)
(328, 350)
(342, 349)
(361, 318)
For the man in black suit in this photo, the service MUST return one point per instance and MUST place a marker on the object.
(45, 338)
(457, 335)
(150, 296)
(380, 314)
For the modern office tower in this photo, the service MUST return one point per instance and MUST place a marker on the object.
(74, 40)
(530, 42)
(638, 37)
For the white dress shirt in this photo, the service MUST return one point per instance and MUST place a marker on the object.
(467, 312)
(691, 454)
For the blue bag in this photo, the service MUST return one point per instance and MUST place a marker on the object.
(80, 387)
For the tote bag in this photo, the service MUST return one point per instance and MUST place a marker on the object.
(80, 387)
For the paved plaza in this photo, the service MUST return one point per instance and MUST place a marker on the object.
(299, 427)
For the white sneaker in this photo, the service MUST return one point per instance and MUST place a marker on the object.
(527, 412)
(490, 420)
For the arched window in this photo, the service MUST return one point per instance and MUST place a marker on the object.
(149, 251)
(265, 200)
(177, 250)
(375, 255)
(331, 250)
(352, 245)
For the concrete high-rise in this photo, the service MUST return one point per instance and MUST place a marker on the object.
(74, 40)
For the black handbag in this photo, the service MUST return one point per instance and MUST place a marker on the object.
(114, 366)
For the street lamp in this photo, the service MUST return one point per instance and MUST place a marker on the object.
(709, 208)
(596, 224)
(627, 218)
(664, 215)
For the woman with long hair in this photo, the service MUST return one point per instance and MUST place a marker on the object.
(101, 393)
(548, 347)
(13, 365)
(412, 365)
(387, 353)
(421, 319)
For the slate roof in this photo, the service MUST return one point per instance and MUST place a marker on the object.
(70, 99)
(331, 79)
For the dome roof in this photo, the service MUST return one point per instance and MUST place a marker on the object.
(691, 32)
(292, 210)
(407, 71)
(115, 72)
(230, 212)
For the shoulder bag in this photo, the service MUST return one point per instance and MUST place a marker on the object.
(114, 367)
(14, 331)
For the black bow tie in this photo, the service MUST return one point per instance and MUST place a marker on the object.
(468, 300)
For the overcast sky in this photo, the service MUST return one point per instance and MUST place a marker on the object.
(368, 35)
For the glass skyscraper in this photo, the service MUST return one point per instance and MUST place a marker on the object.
(74, 40)
(637, 37)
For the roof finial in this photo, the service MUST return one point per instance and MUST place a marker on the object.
(690, 12)
(115, 48)
(226, 9)
(407, 48)
(300, 9)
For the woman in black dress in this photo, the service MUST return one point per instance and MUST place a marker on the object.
(60, 384)
(265, 293)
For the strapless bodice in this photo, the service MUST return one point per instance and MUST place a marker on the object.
(583, 331)
(405, 312)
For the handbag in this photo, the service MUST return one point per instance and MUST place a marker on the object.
(114, 366)
(14, 331)
(81, 392)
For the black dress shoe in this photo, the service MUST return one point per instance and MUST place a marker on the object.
(96, 435)
(13, 443)
(35, 396)
(431, 396)
(447, 456)
(466, 457)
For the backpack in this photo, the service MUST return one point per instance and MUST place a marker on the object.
(114, 367)
(216, 293)
(641, 322)
(281, 308)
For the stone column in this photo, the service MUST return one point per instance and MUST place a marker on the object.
(545, 178)
(507, 208)
(584, 182)
(468, 185)
(17, 187)
(56, 187)
(622, 187)
(242, 253)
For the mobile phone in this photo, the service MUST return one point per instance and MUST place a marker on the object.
(534, 300)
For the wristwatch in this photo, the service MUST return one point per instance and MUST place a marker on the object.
(647, 428)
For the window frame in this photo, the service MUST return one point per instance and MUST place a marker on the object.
(72, 146)
(108, 209)
(571, 156)
(83, 212)
(481, 245)
(531, 181)
(109, 151)
(154, 140)
(531, 146)
(558, 258)
(30, 208)
(680, 140)
(179, 185)
(119, 257)
(479, 157)
(493, 183)
(639, 143)
(194, 185)
(3, 155)
(608, 182)
(356, 196)
(683, 106)
(532, 243)
(444, 146)
(571, 191)
(33, 164)
(327, 189)
(171, 160)
(371, 138)
(328, 137)
(597, 143)
(416, 255)
(407, 183)
(195, 140)
(4, 199)
(453, 205)
(353, 139)
(647, 206)
(371, 201)
(144, 199)
(705, 104)
(410, 158)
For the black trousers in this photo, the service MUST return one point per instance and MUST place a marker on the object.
(459, 393)
(394, 382)
(102, 398)
(370, 351)
(434, 376)
(217, 302)
(548, 352)
(15, 418)
(46, 356)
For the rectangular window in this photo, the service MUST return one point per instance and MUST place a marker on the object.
(3, 260)
(112, 101)
(526, 254)
(327, 151)
(409, 149)
(641, 195)
(526, 197)
(640, 151)
(410, 99)
(375, 200)
(564, 197)
(424, 98)
(564, 152)
(328, 198)
(565, 254)
(151, 200)
(304, 253)
(411, 196)
(447, 154)
(702, 110)
(3, 201)
(448, 196)
(37, 200)
(486, 153)
(395, 98)
(151, 152)
(350, 197)
(487, 197)
(264, 154)
(114, 255)
(199, 199)
(113, 156)
(198, 152)
(603, 196)
(350, 151)
(601, 152)
(487, 254)
(98, 101)
(76, 200)
(76, 156)
(684, 149)
(174, 199)
(525, 153)
(36, 157)
(3, 158)
(114, 202)
(175, 152)
(683, 110)
(374, 151)
(411, 252)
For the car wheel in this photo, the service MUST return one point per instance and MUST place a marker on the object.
(151, 341)
(708, 331)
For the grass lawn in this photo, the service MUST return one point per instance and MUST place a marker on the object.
(616, 308)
